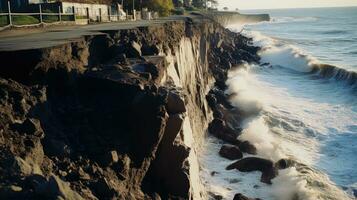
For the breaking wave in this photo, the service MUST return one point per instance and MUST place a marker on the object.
(280, 54)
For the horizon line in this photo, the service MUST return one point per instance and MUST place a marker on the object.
(299, 7)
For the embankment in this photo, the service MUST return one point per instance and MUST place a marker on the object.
(114, 115)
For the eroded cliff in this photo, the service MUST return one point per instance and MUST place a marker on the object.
(119, 115)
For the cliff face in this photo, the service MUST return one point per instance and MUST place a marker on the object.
(119, 115)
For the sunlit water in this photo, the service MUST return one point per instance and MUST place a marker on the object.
(308, 111)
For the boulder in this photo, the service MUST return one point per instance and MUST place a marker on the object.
(219, 129)
(230, 152)
(150, 50)
(30, 126)
(247, 147)
(284, 163)
(256, 164)
(53, 188)
(175, 103)
(240, 196)
(110, 158)
(133, 50)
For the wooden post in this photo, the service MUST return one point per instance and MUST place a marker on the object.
(74, 13)
(40, 12)
(100, 14)
(9, 10)
(118, 12)
(87, 13)
(59, 13)
(109, 12)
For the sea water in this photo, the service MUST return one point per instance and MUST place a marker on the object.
(306, 95)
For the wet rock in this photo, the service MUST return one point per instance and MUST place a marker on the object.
(256, 164)
(247, 147)
(219, 129)
(211, 100)
(215, 196)
(230, 152)
(240, 196)
(284, 163)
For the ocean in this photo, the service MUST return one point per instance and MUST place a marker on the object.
(302, 103)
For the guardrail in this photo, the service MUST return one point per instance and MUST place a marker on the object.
(10, 19)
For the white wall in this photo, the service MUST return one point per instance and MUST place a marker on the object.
(81, 10)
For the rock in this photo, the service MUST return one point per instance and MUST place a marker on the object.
(110, 158)
(284, 163)
(30, 126)
(211, 100)
(133, 50)
(122, 167)
(256, 164)
(175, 103)
(22, 167)
(215, 196)
(230, 152)
(102, 189)
(147, 68)
(213, 173)
(150, 50)
(121, 59)
(82, 174)
(247, 147)
(53, 188)
(219, 129)
(56, 147)
(61, 189)
(240, 196)
(11, 192)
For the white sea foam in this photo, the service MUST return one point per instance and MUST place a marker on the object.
(291, 113)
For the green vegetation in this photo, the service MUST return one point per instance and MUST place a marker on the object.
(24, 20)
(178, 11)
(164, 7)
(50, 18)
(4, 20)
(67, 17)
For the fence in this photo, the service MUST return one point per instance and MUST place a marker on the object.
(19, 19)
(32, 19)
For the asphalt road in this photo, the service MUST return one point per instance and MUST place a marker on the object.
(22, 39)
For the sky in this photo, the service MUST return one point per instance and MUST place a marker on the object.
(268, 4)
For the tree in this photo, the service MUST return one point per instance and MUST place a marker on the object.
(214, 3)
(164, 7)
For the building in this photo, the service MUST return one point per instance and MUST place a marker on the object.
(92, 12)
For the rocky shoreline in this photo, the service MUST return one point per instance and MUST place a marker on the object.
(121, 114)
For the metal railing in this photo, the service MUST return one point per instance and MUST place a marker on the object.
(17, 19)
(11, 19)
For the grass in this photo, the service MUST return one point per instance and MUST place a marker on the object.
(24, 20)
(28, 20)
(50, 18)
(81, 17)
(4, 20)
